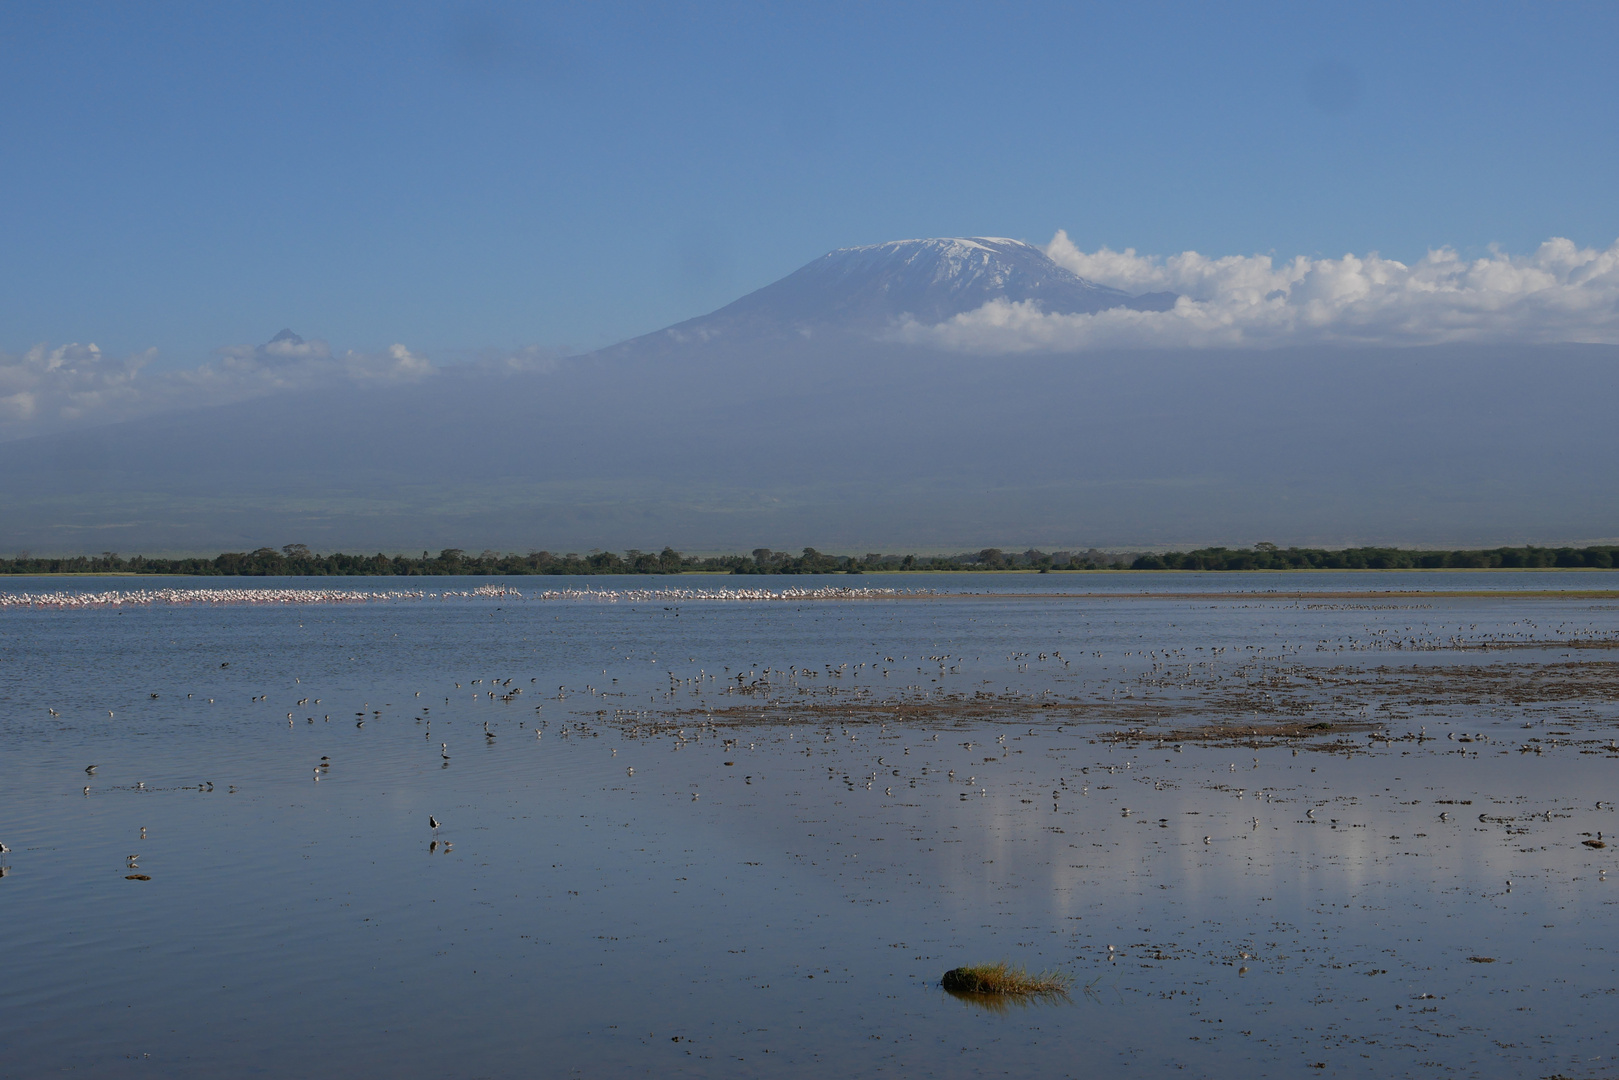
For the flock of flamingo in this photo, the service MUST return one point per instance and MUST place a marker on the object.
(147, 597)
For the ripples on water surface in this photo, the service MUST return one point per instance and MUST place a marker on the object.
(778, 884)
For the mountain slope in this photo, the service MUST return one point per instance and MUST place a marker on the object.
(862, 448)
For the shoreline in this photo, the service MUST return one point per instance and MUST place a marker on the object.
(280, 593)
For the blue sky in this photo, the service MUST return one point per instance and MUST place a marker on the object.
(470, 176)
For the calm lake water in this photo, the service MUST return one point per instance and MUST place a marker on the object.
(715, 836)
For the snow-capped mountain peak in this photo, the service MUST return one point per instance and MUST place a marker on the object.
(863, 289)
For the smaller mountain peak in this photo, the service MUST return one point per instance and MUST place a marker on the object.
(288, 336)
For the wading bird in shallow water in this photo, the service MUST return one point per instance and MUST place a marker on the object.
(432, 822)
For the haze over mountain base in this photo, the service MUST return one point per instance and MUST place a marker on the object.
(842, 444)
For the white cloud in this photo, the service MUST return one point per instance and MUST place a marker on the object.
(289, 362)
(1559, 293)
(65, 382)
(48, 388)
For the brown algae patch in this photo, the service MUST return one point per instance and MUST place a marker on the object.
(1253, 735)
(939, 711)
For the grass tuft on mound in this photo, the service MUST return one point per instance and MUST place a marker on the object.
(1002, 978)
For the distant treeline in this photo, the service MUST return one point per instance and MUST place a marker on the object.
(1269, 557)
(298, 560)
